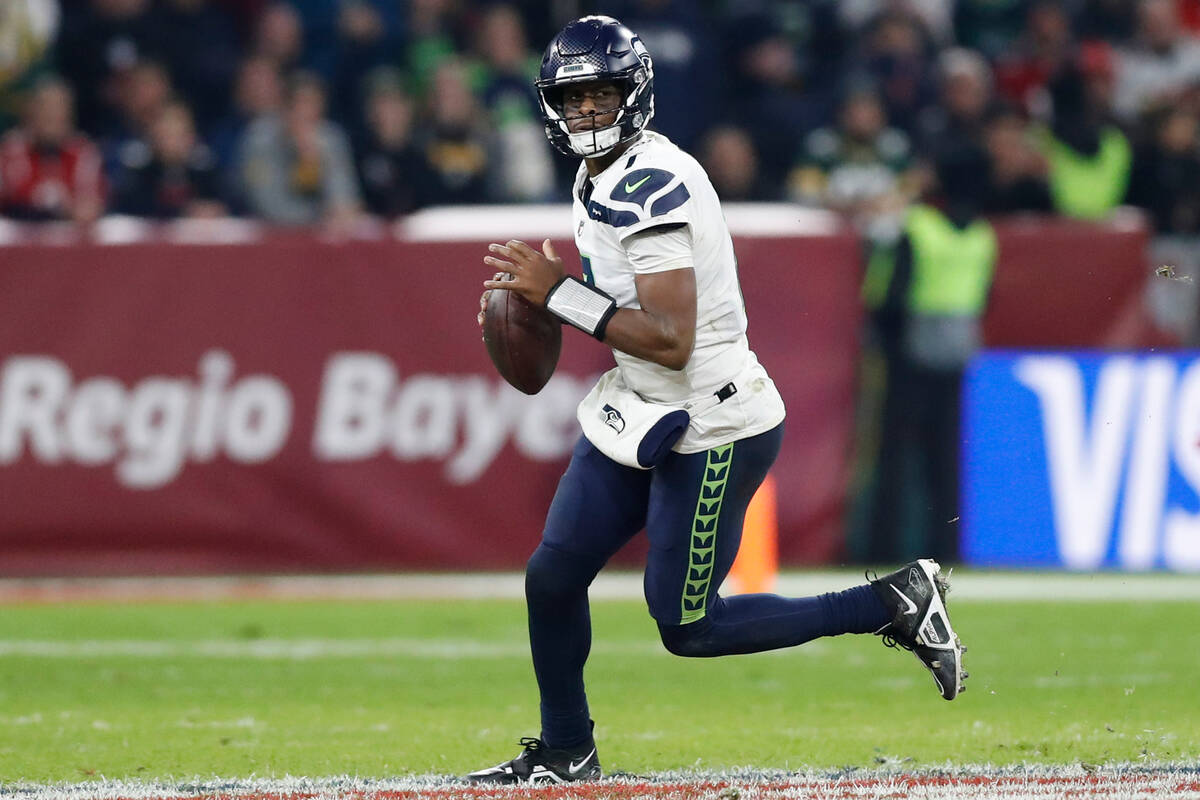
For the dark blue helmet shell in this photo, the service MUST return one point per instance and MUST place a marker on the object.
(589, 49)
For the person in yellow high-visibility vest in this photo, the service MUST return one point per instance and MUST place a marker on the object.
(1090, 159)
(927, 295)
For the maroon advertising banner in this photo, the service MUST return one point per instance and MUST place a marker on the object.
(1071, 284)
(295, 404)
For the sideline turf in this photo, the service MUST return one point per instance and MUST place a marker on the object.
(1050, 683)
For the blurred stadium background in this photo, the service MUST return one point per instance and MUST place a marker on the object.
(240, 258)
(241, 247)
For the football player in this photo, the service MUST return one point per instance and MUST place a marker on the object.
(679, 435)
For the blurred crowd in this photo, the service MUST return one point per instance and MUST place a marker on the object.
(340, 112)
(306, 111)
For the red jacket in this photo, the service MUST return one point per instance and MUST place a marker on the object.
(47, 182)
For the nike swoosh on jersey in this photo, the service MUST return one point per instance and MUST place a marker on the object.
(631, 189)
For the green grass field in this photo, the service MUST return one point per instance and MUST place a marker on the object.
(170, 691)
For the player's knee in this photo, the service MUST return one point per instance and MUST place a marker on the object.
(552, 574)
(690, 640)
(542, 578)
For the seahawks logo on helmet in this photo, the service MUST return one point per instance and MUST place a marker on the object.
(596, 48)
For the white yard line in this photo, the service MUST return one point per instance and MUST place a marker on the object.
(967, 585)
(294, 649)
(1119, 782)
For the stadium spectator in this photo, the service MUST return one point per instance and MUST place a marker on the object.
(145, 90)
(318, 21)
(258, 92)
(895, 55)
(369, 34)
(506, 66)
(343, 39)
(173, 175)
(1089, 156)
(1166, 183)
(431, 37)
(861, 168)
(297, 168)
(392, 168)
(245, 14)
(818, 42)
(777, 71)
(770, 96)
(936, 16)
(539, 25)
(523, 169)
(1166, 173)
(27, 30)
(989, 26)
(1018, 173)
(926, 295)
(456, 148)
(100, 42)
(728, 156)
(1161, 65)
(1113, 21)
(49, 170)
(965, 96)
(279, 36)
(198, 44)
(1045, 46)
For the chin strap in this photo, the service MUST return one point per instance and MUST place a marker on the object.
(583, 306)
(590, 144)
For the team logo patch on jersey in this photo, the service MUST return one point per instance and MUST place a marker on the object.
(613, 418)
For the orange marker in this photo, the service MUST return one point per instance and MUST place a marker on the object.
(757, 563)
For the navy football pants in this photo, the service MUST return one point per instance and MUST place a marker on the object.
(692, 507)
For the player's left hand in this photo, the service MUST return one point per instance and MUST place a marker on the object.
(533, 273)
(483, 300)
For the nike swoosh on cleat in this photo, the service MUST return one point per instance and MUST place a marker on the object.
(912, 607)
(574, 768)
(631, 189)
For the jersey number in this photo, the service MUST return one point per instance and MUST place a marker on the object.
(587, 270)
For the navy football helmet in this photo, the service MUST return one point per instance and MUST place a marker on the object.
(596, 48)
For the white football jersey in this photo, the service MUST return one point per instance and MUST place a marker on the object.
(655, 183)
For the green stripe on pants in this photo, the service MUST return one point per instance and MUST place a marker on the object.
(704, 533)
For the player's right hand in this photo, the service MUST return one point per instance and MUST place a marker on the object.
(530, 274)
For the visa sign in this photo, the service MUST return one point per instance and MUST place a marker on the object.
(1082, 460)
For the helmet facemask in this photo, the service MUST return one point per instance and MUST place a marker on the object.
(596, 141)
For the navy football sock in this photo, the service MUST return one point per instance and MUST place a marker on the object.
(752, 623)
(560, 638)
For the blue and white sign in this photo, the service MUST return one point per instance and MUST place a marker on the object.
(1082, 460)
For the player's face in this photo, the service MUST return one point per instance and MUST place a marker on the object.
(587, 106)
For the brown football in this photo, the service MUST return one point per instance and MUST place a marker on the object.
(522, 339)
